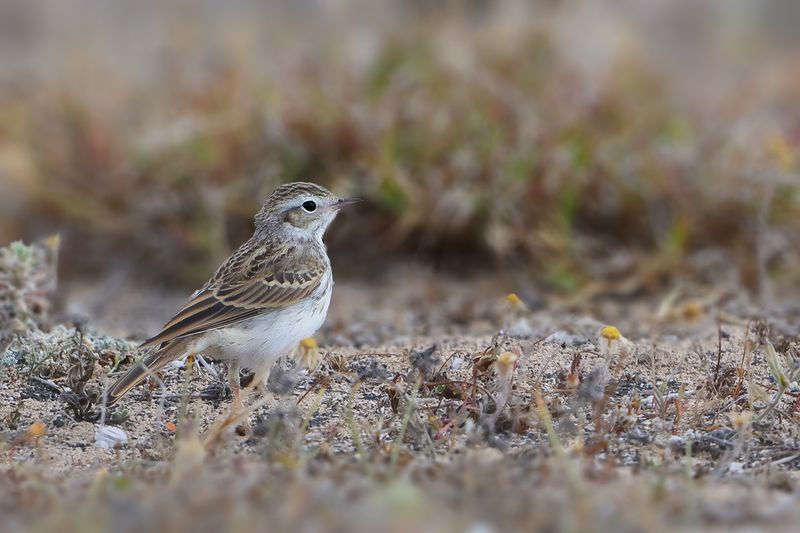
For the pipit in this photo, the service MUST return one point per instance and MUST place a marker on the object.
(270, 294)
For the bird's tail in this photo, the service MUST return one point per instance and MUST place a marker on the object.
(138, 373)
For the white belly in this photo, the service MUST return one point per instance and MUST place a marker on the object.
(258, 342)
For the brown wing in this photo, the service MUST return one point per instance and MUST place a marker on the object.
(255, 278)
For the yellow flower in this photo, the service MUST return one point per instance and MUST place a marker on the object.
(610, 333)
(309, 343)
(38, 429)
(612, 341)
(53, 241)
(515, 302)
(307, 353)
(505, 364)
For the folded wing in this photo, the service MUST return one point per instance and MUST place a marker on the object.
(253, 280)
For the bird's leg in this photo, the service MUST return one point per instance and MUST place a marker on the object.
(236, 390)
(233, 383)
(260, 383)
(260, 378)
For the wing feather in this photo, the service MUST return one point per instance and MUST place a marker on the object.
(249, 283)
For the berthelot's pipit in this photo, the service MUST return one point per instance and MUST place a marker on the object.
(270, 294)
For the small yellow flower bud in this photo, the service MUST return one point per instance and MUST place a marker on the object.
(610, 333)
(307, 353)
(505, 364)
(515, 302)
(309, 343)
(53, 241)
(37, 430)
(612, 341)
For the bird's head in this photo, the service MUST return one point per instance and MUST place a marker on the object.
(303, 209)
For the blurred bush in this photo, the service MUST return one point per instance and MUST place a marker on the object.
(551, 133)
(27, 281)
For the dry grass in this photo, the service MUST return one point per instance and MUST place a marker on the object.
(479, 491)
(614, 454)
(481, 134)
(511, 418)
(649, 177)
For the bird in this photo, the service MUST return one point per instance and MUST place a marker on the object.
(270, 294)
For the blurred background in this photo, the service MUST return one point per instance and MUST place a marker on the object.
(633, 142)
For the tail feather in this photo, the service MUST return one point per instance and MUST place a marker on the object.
(136, 375)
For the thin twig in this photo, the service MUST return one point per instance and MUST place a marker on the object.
(410, 405)
(49, 383)
(719, 353)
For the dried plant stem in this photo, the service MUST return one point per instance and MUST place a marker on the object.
(775, 400)
(313, 409)
(407, 412)
(781, 378)
(183, 406)
(304, 455)
(477, 386)
(719, 353)
(555, 443)
(355, 432)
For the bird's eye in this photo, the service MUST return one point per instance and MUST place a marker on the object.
(310, 206)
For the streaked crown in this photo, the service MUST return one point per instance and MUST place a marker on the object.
(289, 194)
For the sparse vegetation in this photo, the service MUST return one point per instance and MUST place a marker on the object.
(27, 281)
(555, 429)
(643, 375)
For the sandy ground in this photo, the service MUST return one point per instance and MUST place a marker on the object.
(672, 405)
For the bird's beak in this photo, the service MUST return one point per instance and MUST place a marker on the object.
(343, 202)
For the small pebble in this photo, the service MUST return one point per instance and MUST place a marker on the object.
(109, 437)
